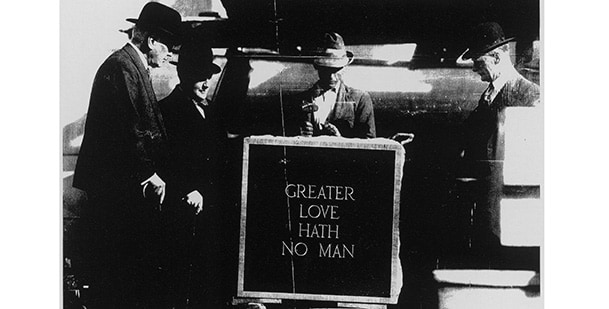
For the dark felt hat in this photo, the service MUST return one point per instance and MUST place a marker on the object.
(195, 60)
(332, 53)
(161, 18)
(485, 37)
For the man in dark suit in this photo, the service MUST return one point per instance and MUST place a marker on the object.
(330, 106)
(482, 148)
(120, 165)
(196, 222)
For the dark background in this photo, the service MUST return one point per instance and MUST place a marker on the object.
(433, 23)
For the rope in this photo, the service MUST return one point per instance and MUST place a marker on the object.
(285, 177)
(285, 157)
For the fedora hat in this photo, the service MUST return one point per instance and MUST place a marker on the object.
(331, 52)
(195, 61)
(161, 18)
(485, 37)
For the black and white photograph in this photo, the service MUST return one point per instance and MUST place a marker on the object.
(302, 154)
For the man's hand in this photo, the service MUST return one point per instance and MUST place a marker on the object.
(195, 199)
(309, 107)
(403, 138)
(330, 129)
(306, 129)
(157, 185)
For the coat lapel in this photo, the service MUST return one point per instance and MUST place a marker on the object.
(146, 80)
(344, 106)
(145, 77)
(187, 109)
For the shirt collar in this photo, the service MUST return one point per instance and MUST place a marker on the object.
(142, 56)
(503, 79)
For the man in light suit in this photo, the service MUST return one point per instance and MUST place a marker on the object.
(482, 148)
(121, 165)
(330, 106)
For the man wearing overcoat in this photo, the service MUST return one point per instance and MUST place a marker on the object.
(196, 221)
(121, 165)
(483, 137)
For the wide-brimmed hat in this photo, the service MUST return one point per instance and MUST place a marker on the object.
(485, 37)
(161, 18)
(195, 60)
(332, 53)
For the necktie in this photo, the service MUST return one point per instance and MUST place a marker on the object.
(148, 73)
(202, 108)
(488, 93)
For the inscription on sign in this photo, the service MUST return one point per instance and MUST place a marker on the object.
(307, 226)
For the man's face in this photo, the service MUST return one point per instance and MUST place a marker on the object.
(328, 77)
(158, 54)
(486, 67)
(199, 89)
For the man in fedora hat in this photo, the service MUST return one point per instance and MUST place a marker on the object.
(121, 164)
(197, 141)
(330, 106)
(483, 144)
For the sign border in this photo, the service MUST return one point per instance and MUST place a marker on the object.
(325, 142)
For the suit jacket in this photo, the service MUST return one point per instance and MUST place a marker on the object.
(124, 135)
(483, 135)
(196, 146)
(353, 113)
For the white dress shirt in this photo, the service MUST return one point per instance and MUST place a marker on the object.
(325, 103)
